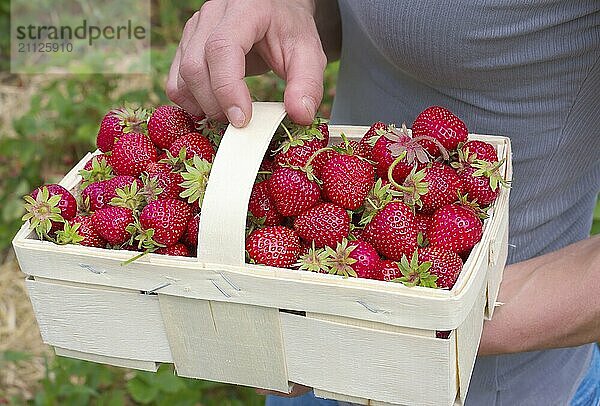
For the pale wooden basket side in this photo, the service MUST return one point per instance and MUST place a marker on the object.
(100, 321)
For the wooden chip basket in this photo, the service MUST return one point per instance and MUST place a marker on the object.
(217, 318)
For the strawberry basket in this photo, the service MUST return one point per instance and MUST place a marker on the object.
(218, 318)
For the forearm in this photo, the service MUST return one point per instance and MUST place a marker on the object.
(550, 301)
(329, 24)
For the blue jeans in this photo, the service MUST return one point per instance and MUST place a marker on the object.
(308, 399)
(588, 393)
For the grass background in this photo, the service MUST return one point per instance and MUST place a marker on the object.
(46, 124)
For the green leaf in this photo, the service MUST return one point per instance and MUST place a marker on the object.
(141, 392)
(13, 356)
(168, 382)
(116, 397)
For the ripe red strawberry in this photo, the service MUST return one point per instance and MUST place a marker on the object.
(357, 233)
(80, 230)
(393, 231)
(267, 164)
(160, 182)
(443, 187)
(446, 265)
(325, 224)
(292, 191)
(347, 180)
(320, 160)
(91, 238)
(298, 155)
(274, 246)
(177, 250)
(167, 123)
(94, 196)
(96, 169)
(111, 223)
(441, 124)
(482, 181)
(194, 144)
(67, 203)
(318, 129)
(98, 195)
(366, 143)
(48, 207)
(423, 222)
(261, 204)
(132, 153)
(393, 145)
(190, 236)
(324, 130)
(352, 258)
(478, 187)
(480, 150)
(386, 270)
(118, 122)
(456, 228)
(211, 129)
(415, 273)
(96, 159)
(167, 218)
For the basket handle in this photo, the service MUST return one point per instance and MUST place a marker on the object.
(221, 237)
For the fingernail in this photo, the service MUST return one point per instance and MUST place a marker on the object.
(309, 105)
(236, 116)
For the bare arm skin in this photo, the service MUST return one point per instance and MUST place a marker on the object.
(227, 40)
(550, 301)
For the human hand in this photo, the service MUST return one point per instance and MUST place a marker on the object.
(227, 40)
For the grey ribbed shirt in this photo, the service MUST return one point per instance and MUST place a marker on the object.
(526, 70)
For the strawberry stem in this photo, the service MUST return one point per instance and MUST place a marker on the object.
(287, 131)
(314, 155)
(135, 258)
(390, 171)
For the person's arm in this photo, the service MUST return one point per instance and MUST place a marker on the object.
(550, 301)
(227, 40)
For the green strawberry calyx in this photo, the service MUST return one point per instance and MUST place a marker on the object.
(42, 211)
(195, 179)
(315, 260)
(378, 197)
(129, 197)
(415, 274)
(340, 259)
(101, 170)
(69, 234)
(490, 170)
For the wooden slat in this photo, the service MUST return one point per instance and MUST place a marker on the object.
(345, 400)
(114, 324)
(361, 299)
(498, 254)
(101, 359)
(226, 342)
(369, 364)
(221, 237)
(468, 335)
